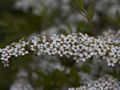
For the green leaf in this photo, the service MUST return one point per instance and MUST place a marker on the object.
(78, 4)
(74, 77)
(90, 12)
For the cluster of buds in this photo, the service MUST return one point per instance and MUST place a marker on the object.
(104, 83)
(15, 50)
(78, 46)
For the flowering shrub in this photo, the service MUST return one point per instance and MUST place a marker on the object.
(68, 59)
(78, 46)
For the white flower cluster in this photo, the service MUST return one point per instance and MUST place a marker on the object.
(110, 34)
(15, 49)
(104, 83)
(39, 5)
(21, 82)
(78, 46)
